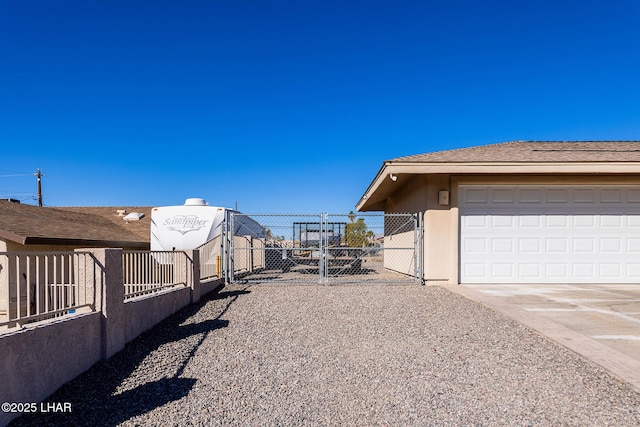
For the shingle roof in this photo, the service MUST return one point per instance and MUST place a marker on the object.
(533, 151)
(141, 228)
(28, 224)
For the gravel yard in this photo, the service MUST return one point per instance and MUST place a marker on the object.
(343, 355)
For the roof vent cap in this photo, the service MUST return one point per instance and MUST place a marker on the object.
(196, 201)
(133, 216)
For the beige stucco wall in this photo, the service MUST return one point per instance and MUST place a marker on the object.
(143, 314)
(248, 254)
(37, 360)
(437, 223)
(258, 253)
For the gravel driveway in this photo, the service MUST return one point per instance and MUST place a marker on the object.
(343, 355)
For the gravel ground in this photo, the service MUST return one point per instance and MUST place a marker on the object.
(343, 355)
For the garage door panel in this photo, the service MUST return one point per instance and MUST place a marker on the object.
(611, 221)
(475, 221)
(584, 245)
(633, 245)
(584, 196)
(502, 221)
(556, 221)
(530, 272)
(534, 196)
(552, 234)
(633, 195)
(583, 270)
(502, 245)
(611, 195)
(502, 271)
(633, 270)
(556, 270)
(529, 221)
(554, 195)
(558, 245)
(530, 245)
(475, 245)
(583, 221)
(476, 196)
(477, 270)
(503, 196)
(610, 271)
(611, 245)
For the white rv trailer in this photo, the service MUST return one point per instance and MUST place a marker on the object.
(189, 226)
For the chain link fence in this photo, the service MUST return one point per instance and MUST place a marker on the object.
(354, 248)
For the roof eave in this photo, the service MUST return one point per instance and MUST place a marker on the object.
(34, 240)
(383, 182)
(12, 237)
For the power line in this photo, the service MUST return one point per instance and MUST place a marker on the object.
(10, 173)
(18, 174)
(23, 195)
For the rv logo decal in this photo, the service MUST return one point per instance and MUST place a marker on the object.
(185, 223)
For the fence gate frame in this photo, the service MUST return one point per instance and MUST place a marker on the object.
(237, 262)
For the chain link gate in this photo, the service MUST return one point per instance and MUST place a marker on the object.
(325, 248)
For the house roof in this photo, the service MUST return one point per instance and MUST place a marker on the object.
(514, 157)
(28, 224)
(536, 151)
(117, 214)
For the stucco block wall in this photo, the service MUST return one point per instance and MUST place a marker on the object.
(48, 356)
(143, 314)
(210, 286)
(39, 358)
(258, 253)
(242, 254)
(400, 260)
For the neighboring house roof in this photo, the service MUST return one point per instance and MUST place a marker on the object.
(514, 157)
(118, 215)
(28, 224)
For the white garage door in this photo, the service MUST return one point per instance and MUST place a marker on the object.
(549, 234)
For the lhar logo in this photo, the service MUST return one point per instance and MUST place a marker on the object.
(185, 223)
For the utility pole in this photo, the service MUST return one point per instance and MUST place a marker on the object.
(39, 177)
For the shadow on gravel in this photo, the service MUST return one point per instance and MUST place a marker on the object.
(91, 394)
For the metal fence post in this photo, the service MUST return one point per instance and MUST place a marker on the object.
(322, 256)
(418, 247)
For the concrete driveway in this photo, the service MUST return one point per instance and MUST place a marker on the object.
(600, 322)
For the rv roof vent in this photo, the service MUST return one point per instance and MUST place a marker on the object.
(196, 201)
(133, 216)
(121, 212)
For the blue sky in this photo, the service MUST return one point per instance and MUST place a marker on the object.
(292, 106)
